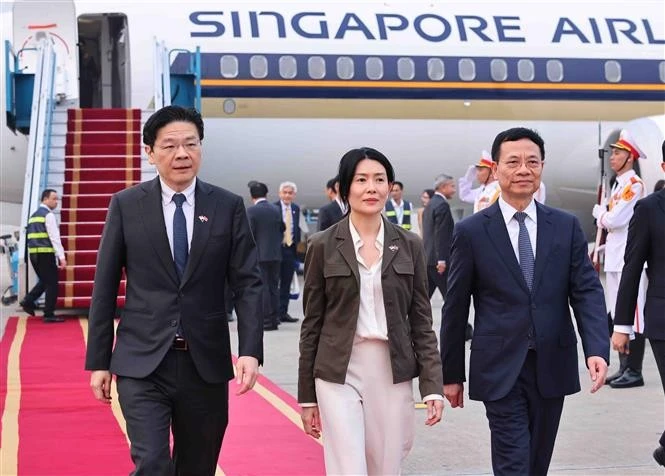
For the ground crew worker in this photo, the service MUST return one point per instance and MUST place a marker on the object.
(397, 210)
(615, 217)
(44, 247)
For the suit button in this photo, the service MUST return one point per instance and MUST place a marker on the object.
(174, 323)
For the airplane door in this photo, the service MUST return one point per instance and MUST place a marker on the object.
(33, 20)
(104, 60)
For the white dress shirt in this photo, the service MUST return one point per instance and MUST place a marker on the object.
(399, 211)
(341, 205)
(53, 233)
(169, 210)
(513, 226)
(372, 312)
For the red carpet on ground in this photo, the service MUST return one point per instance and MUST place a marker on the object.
(63, 431)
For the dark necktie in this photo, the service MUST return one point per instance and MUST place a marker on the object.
(525, 251)
(180, 246)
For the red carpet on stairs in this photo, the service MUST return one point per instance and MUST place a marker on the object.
(64, 431)
(102, 156)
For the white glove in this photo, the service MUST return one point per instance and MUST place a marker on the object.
(470, 174)
(598, 211)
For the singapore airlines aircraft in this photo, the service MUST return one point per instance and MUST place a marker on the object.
(287, 87)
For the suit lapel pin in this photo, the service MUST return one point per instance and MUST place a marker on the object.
(393, 248)
(203, 218)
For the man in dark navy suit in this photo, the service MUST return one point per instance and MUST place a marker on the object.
(332, 212)
(525, 264)
(291, 218)
(645, 236)
(268, 230)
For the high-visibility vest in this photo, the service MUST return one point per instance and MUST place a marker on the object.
(391, 214)
(38, 240)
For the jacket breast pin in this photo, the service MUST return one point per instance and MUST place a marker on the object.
(203, 218)
(393, 248)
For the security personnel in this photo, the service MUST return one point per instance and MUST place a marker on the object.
(482, 172)
(44, 246)
(398, 211)
(615, 217)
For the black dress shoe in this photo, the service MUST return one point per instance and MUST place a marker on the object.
(288, 318)
(28, 307)
(51, 319)
(614, 376)
(630, 378)
(270, 328)
(659, 455)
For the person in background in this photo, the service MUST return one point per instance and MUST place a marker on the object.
(398, 210)
(291, 218)
(645, 245)
(425, 197)
(525, 265)
(367, 330)
(267, 226)
(615, 217)
(332, 212)
(47, 255)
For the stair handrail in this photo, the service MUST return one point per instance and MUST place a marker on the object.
(36, 168)
(162, 79)
(194, 69)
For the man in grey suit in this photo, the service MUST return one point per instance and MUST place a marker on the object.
(178, 240)
(267, 226)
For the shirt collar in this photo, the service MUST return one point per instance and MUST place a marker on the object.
(358, 242)
(168, 192)
(508, 211)
(284, 205)
(626, 176)
(259, 200)
(441, 195)
(341, 204)
(395, 205)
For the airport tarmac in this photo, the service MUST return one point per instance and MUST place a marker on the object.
(612, 432)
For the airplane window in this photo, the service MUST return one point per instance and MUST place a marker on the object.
(316, 67)
(435, 69)
(661, 70)
(499, 69)
(467, 69)
(229, 65)
(345, 67)
(258, 66)
(374, 68)
(612, 71)
(525, 70)
(406, 69)
(288, 68)
(554, 70)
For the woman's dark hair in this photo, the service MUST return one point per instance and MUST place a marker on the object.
(429, 191)
(349, 162)
(167, 115)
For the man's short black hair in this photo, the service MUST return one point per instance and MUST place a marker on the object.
(330, 184)
(401, 185)
(47, 193)
(257, 189)
(515, 134)
(167, 115)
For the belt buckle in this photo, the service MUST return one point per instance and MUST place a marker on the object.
(179, 343)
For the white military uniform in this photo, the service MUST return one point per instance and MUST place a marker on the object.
(487, 196)
(625, 193)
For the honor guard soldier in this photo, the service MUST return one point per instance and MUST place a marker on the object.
(398, 211)
(485, 195)
(615, 217)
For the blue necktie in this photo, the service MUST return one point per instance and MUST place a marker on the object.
(527, 262)
(180, 246)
